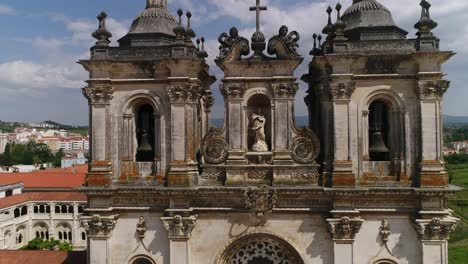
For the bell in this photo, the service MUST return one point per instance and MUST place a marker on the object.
(377, 143)
(145, 145)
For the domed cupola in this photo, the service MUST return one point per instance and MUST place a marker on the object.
(370, 20)
(154, 26)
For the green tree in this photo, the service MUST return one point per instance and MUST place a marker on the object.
(57, 158)
(52, 244)
(6, 159)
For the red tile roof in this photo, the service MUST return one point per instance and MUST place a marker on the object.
(41, 197)
(54, 178)
(41, 256)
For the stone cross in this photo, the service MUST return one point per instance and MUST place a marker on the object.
(258, 8)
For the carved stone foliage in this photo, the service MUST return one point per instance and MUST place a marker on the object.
(285, 90)
(215, 174)
(305, 147)
(306, 174)
(259, 174)
(260, 200)
(232, 46)
(384, 231)
(183, 94)
(99, 93)
(436, 228)
(433, 89)
(285, 44)
(340, 90)
(98, 225)
(215, 147)
(259, 248)
(344, 228)
(233, 90)
(141, 227)
(179, 227)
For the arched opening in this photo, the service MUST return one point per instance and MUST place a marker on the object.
(80, 209)
(259, 116)
(379, 131)
(83, 236)
(47, 209)
(60, 235)
(36, 209)
(260, 249)
(24, 210)
(20, 239)
(57, 209)
(70, 209)
(142, 260)
(17, 213)
(64, 209)
(145, 133)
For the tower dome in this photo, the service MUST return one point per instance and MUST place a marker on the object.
(154, 26)
(370, 20)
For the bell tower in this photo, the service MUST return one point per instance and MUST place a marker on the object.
(259, 142)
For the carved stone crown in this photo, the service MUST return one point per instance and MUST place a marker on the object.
(179, 227)
(344, 228)
(98, 225)
(436, 228)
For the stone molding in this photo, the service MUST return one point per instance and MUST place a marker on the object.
(435, 228)
(179, 227)
(340, 90)
(285, 90)
(233, 90)
(180, 94)
(344, 228)
(434, 89)
(99, 226)
(260, 200)
(99, 93)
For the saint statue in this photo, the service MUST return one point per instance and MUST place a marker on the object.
(258, 128)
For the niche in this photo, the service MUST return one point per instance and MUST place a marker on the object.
(259, 123)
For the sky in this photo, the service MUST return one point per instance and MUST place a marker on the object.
(42, 41)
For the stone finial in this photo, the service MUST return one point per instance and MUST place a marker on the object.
(102, 34)
(329, 29)
(339, 24)
(425, 25)
(156, 3)
(141, 227)
(179, 227)
(98, 225)
(260, 200)
(189, 31)
(180, 31)
(316, 50)
(344, 228)
(201, 49)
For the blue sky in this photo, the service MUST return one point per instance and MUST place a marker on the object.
(43, 39)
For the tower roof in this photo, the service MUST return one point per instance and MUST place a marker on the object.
(152, 27)
(368, 20)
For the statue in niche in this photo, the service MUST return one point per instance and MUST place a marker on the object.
(257, 126)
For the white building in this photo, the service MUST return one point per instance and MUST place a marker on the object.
(71, 160)
(3, 142)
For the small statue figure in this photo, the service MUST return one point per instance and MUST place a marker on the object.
(258, 123)
(290, 39)
(141, 227)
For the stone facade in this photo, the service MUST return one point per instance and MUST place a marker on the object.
(364, 184)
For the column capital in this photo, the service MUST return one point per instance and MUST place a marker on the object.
(284, 90)
(344, 228)
(339, 91)
(99, 226)
(233, 90)
(182, 94)
(432, 89)
(99, 93)
(179, 227)
(435, 228)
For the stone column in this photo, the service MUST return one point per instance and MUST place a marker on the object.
(99, 231)
(233, 94)
(434, 234)
(431, 169)
(343, 231)
(340, 94)
(99, 95)
(184, 170)
(179, 229)
(284, 94)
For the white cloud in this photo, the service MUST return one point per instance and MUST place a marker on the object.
(6, 10)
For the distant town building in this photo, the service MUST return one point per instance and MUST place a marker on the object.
(3, 142)
(41, 204)
(71, 160)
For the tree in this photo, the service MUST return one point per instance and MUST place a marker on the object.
(52, 244)
(6, 157)
(57, 158)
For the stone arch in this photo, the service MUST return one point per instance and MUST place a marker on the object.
(7, 239)
(63, 231)
(128, 124)
(385, 260)
(21, 235)
(396, 118)
(141, 259)
(41, 230)
(259, 248)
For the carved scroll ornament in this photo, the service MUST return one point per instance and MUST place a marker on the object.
(232, 46)
(305, 147)
(285, 44)
(214, 147)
